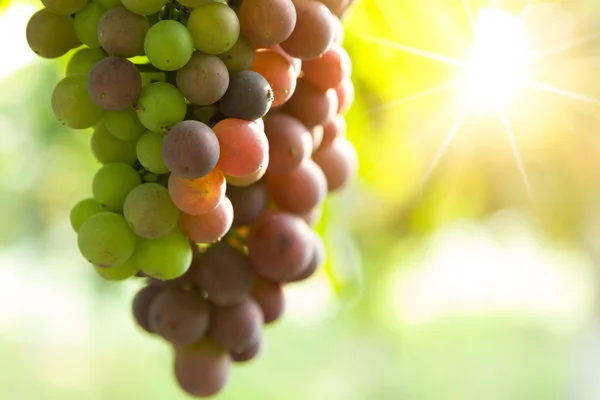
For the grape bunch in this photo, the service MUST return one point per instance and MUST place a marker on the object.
(220, 129)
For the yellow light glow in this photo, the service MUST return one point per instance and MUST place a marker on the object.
(498, 60)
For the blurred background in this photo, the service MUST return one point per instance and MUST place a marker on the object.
(466, 281)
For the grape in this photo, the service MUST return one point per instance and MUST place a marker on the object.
(201, 369)
(317, 260)
(248, 96)
(110, 3)
(300, 190)
(248, 203)
(244, 146)
(86, 23)
(112, 183)
(296, 62)
(198, 196)
(144, 7)
(248, 180)
(179, 317)
(316, 134)
(209, 227)
(333, 129)
(224, 273)
(114, 83)
(339, 30)
(72, 104)
(168, 45)
(164, 258)
(50, 35)
(338, 162)
(267, 22)
(105, 240)
(140, 306)
(149, 211)
(149, 152)
(312, 106)
(118, 272)
(249, 353)
(236, 327)
(279, 246)
(313, 216)
(121, 33)
(190, 149)
(123, 124)
(345, 95)
(269, 296)
(109, 149)
(64, 7)
(215, 28)
(329, 70)
(314, 31)
(240, 56)
(290, 142)
(203, 80)
(82, 211)
(195, 3)
(278, 71)
(84, 60)
(160, 106)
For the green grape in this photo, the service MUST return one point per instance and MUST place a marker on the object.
(105, 240)
(215, 28)
(108, 149)
(149, 211)
(168, 45)
(110, 3)
(112, 183)
(164, 258)
(50, 35)
(160, 106)
(119, 272)
(149, 177)
(72, 104)
(84, 60)
(149, 152)
(195, 3)
(82, 211)
(123, 124)
(64, 7)
(86, 23)
(240, 56)
(144, 7)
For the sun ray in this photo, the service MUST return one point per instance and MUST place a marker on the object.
(565, 46)
(469, 12)
(417, 52)
(417, 96)
(445, 145)
(562, 92)
(515, 149)
(526, 10)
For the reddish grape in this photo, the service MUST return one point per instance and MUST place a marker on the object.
(317, 260)
(267, 22)
(140, 306)
(198, 196)
(236, 327)
(328, 71)
(312, 106)
(339, 30)
(244, 146)
(201, 369)
(249, 353)
(279, 246)
(296, 62)
(313, 216)
(248, 203)
(278, 71)
(338, 161)
(180, 317)
(345, 95)
(316, 133)
(314, 31)
(333, 129)
(209, 227)
(300, 190)
(243, 181)
(224, 273)
(289, 142)
(114, 83)
(270, 297)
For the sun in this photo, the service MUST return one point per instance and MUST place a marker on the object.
(499, 59)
